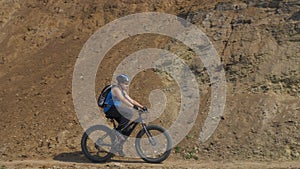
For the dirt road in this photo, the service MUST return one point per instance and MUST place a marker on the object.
(129, 163)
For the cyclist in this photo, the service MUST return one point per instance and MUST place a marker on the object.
(120, 106)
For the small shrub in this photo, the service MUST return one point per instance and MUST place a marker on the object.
(191, 155)
(188, 136)
(177, 149)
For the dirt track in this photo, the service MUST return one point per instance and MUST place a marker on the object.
(129, 163)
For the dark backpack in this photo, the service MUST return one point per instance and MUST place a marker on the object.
(103, 95)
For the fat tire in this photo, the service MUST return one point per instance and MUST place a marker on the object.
(165, 154)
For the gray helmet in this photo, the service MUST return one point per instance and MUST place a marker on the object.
(122, 78)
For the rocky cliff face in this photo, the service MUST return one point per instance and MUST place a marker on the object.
(258, 42)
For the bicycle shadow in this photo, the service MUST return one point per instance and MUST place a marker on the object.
(75, 157)
(78, 157)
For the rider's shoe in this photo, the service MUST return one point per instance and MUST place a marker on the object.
(121, 153)
(118, 144)
(118, 148)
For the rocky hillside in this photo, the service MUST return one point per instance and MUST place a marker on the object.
(258, 42)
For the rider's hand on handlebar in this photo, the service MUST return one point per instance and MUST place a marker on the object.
(145, 108)
(136, 107)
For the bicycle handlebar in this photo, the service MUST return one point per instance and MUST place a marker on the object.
(141, 111)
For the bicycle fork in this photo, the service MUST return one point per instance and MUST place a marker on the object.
(151, 140)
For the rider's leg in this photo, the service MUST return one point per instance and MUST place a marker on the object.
(118, 144)
(123, 118)
(114, 113)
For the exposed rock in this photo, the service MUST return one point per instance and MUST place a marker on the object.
(227, 6)
(296, 16)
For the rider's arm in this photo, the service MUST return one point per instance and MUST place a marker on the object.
(117, 92)
(132, 101)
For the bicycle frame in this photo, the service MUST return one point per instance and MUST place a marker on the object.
(102, 144)
(132, 125)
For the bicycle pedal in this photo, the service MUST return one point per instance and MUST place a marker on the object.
(97, 147)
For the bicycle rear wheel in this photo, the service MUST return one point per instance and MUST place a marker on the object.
(156, 147)
(97, 143)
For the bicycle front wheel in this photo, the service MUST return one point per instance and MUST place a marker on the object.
(97, 142)
(153, 144)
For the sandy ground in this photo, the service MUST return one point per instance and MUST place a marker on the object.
(130, 163)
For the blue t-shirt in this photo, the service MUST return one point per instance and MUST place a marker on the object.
(112, 101)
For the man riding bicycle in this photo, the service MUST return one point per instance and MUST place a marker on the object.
(119, 106)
